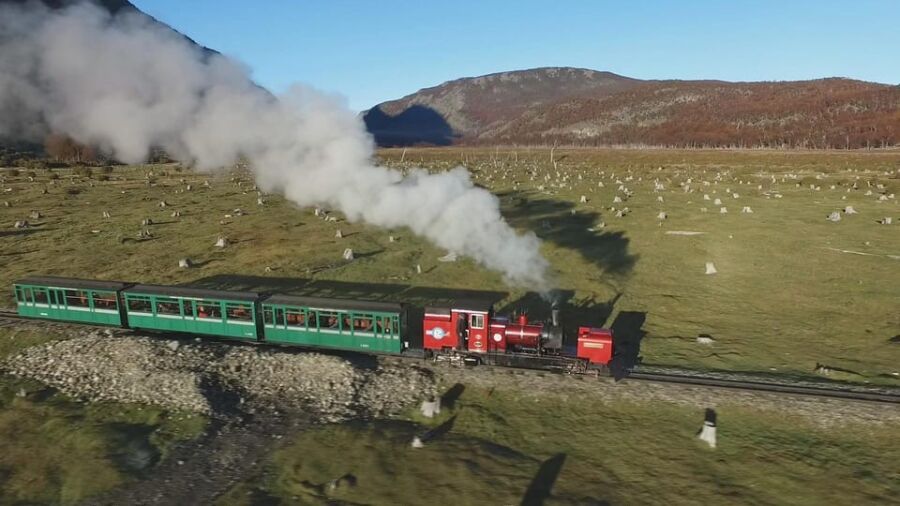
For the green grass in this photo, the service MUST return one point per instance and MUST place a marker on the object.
(624, 453)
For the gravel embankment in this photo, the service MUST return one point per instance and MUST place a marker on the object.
(205, 377)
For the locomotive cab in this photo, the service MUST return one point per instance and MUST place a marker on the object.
(461, 326)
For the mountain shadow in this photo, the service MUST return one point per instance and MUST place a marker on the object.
(416, 125)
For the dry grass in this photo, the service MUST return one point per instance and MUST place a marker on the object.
(784, 298)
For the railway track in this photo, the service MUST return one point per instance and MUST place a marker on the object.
(853, 393)
(856, 394)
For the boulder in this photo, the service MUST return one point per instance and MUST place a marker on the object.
(185, 263)
(348, 254)
(710, 268)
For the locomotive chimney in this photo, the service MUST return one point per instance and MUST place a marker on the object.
(523, 318)
(554, 315)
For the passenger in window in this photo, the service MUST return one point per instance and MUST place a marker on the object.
(332, 322)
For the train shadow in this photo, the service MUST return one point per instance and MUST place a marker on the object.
(627, 337)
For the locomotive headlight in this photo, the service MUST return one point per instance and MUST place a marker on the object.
(498, 337)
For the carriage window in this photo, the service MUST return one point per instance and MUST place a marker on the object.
(139, 304)
(76, 298)
(208, 309)
(239, 312)
(268, 316)
(168, 307)
(362, 323)
(279, 316)
(295, 317)
(40, 295)
(104, 300)
(20, 294)
(477, 321)
(329, 320)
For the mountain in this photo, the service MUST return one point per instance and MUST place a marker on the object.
(585, 107)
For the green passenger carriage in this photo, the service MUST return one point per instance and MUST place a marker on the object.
(373, 327)
(69, 299)
(193, 310)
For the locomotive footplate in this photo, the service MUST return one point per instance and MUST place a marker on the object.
(569, 365)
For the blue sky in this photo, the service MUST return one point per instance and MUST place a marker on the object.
(375, 50)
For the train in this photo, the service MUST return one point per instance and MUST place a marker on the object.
(458, 332)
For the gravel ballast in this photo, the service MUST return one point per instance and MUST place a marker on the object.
(212, 378)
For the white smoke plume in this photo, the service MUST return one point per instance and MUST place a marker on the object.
(127, 84)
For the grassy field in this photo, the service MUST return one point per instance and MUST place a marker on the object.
(788, 294)
(503, 447)
(55, 450)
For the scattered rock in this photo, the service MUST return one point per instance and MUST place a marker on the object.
(221, 242)
(21, 224)
(449, 257)
(723, 210)
(710, 268)
(662, 215)
(185, 263)
(348, 254)
(849, 210)
(106, 214)
(887, 220)
(35, 215)
(705, 339)
(835, 217)
(146, 222)
(338, 234)
(747, 210)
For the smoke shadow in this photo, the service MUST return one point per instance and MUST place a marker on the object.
(560, 222)
(627, 338)
(415, 125)
(539, 489)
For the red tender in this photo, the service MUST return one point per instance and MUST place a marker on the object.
(596, 345)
